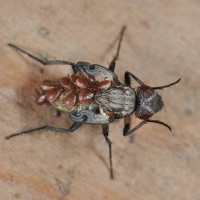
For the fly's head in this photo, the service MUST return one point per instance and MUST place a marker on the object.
(148, 102)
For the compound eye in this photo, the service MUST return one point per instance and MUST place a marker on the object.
(146, 91)
(144, 114)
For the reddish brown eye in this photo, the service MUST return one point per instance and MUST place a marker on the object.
(146, 91)
(70, 99)
(66, 82)
(48, 85)
(144, 114)
(53, 94)
(86, 96)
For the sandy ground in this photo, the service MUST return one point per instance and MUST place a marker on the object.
(161, 44)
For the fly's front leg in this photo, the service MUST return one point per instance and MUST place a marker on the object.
(128, 76)
(127, 123)
(127, 126)
(105, 128)
(144, 122)
(88, 117)
(74, 127)
(165, 86)
(45, 62)
(127, 119)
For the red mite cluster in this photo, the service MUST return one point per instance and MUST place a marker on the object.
(79, 88)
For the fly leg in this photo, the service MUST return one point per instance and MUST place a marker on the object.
(113, 62)
(129, 75)
(127, 119)
(91, 69)
(45, 62)
(90, 117)
(74, 127)
(165, 86)
(127, 126)
(144, 122)
(105, 128)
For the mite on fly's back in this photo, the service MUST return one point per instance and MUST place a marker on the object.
(93, 94)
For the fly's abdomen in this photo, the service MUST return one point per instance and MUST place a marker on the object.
(75, 91)
(118, 100)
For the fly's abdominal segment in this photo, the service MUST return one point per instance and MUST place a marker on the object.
(93, 94)
(71, 92)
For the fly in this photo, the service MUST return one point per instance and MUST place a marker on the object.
(93, 94)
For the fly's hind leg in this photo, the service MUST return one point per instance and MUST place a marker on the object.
(74, 127)
(45, 62)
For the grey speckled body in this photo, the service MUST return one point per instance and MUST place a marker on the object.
(117, 100)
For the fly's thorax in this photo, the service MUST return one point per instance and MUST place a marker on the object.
(148, 102)
(117, 100)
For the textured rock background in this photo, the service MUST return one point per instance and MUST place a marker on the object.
(162, 43)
